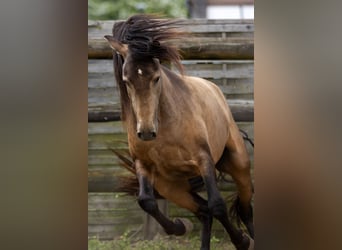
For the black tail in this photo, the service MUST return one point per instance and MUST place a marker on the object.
(127, 184)
(245, 137)
(234, 209)
(242, 218)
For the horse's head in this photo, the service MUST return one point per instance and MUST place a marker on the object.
(143, 83)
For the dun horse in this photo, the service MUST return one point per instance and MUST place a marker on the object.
(179, 128)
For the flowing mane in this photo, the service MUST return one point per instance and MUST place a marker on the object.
(146, 37)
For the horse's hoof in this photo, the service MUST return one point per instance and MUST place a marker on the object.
(187, 224)
(247, 243)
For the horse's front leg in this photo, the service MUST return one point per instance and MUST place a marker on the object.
(217, 206)
(149, 204)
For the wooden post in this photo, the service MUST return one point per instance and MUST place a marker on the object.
(197, 8)
(151, 227)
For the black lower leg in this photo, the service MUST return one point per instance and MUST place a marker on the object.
(245, 213)
(218, 209)
(238, 238)
(149, 204)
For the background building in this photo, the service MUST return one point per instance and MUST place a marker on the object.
(221, 9)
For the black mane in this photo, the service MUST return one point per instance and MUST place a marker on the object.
(146, 36)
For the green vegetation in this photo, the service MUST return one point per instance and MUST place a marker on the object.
(159, 243)
(122, 9)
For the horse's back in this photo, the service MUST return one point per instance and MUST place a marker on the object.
(207, 90)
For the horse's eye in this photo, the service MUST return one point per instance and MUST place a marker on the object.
(156, 80)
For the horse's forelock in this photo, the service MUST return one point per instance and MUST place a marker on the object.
(147, 37)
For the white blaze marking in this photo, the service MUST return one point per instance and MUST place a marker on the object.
(140, 72)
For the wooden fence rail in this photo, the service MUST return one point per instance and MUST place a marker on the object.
(210, 39)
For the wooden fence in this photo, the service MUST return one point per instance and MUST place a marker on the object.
(221, 51)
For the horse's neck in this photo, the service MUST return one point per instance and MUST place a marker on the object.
(171, 95)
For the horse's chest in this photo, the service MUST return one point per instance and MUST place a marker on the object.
(171, 162)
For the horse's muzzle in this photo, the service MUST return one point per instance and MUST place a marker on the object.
(147, 131)
(147, 135)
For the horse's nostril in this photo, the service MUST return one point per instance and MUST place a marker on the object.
(139, 134)
(154, 134)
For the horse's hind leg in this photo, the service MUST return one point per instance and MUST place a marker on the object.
(149, 204)
(216, 204)
(235, 161)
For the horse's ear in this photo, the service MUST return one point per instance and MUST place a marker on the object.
(120, 48)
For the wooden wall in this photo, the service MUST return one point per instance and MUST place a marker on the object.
(219, 50)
